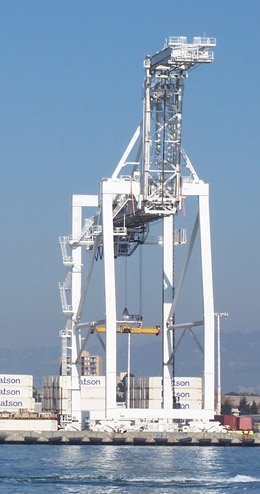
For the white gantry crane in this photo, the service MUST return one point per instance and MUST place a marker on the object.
(148, 188)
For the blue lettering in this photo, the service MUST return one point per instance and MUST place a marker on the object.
(6, 391)
(7, 403)
(185, 405)
(181, 383)
(90, 382)
(181, 394)
(10, 380)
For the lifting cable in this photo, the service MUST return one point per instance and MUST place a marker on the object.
(140, 279)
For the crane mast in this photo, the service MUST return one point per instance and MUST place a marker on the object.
(148, 188)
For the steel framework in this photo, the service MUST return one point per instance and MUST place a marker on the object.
(149, 188)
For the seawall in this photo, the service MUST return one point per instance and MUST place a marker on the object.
(130, 438)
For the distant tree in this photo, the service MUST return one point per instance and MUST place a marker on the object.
(244, 406)
(122, 388)
(226, 408)
(254, 408)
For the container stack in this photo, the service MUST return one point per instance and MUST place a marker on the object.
(16, 393)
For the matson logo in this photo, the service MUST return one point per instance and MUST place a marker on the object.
(10, 380)
(6, 391)
(182, 394)
(181, 383)
(90, 382)
(7, 403)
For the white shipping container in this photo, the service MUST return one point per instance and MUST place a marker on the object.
(65, 381)
(188, 393)
(12, 404)
(155, 394)
(190, 404)
(93, 393)
(155, 404)
(16, 379)
(187, 382)
(55, 393)
(64, 393)
(57, 381)
(48, 380)
(155, 382)
(29, 425)
(7, 391)
(64, 407)
(88, 404)
(93, 381)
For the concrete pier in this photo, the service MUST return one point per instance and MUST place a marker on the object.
(133, 438)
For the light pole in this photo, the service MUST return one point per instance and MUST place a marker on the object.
(128, 370)
(218, 316)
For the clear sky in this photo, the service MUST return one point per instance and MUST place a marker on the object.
(71, 98)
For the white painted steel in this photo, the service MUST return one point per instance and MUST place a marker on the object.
(129, 148)
(110, 296)
(168, 283)
(219, 315)
(75, 300)
(154, 404)
(160, 413)
(208, 303)
(155, 190)
(128, 370)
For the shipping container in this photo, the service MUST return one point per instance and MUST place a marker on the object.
(92, 381)
(14, 403)
(155, 382)
(139, 393)
(16, 379)
(155, 394)
(187, 382)
(139, 382)
(188, 393)
(65, 382)
(139, 403)
(229, 421)
(190, 404)
(88, 404)
(7, 391)
(155, 404)
(92, 393)
(244, 423)
(28, 425)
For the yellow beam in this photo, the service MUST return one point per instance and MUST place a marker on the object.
(126, 328)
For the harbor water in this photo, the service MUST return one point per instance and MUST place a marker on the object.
(100, 469)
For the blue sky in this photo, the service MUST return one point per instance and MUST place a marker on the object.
(71, 98)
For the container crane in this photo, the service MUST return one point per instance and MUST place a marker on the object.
(150, 188)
